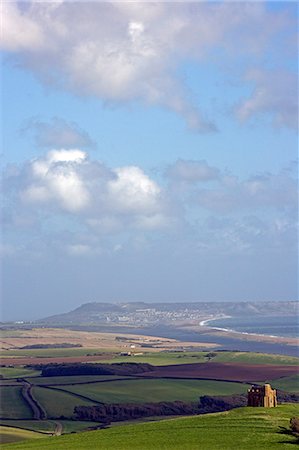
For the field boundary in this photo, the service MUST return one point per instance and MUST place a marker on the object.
(83, 397)
(38, 411)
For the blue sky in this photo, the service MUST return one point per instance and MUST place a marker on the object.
(149, 153)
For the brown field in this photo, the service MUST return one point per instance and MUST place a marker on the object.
(223, 371)
(109, 342)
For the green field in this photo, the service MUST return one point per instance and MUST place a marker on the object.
(166, 358)
(12, 404)
(17, 372)
(72, 379)
(9, 434)
(255, 358)
(151, 390)
(69, 426)
(239, 429)
(156, 358)
(163, 358)
(289, 384)
(9, 382)
(51, 352)
(43, 426)
(57, 403)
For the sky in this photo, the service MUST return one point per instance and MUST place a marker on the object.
(149, 153)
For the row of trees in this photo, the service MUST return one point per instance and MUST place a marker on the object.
(116, 412)
(62, 345)
(122, 369)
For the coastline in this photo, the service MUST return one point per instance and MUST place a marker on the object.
(244, 334)
(205, 321)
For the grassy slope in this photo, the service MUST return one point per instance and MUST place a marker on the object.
(255, 358)
(243, 428)
(13, 406)
(9, 434)
(45, 426)
(138, 391)
(48, 426)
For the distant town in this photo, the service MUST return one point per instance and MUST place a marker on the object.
(146, 314)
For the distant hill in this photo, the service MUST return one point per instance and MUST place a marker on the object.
(140, 313)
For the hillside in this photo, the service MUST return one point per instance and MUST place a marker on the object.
(145, 313)
(242, 428)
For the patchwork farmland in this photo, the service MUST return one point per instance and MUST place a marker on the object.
(35, 405)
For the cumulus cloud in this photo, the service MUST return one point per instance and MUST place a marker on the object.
(275, 93)
(20, 32)
(58, 133)
(55, 178)
(133, 191)
(65, 201)
(107, 200)
(128, 51)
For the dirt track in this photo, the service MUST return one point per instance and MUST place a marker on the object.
(37, 410)
(223, 371)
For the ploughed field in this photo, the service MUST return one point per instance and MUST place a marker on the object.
(241, 428)
(223, 371)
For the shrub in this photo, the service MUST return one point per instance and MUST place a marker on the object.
(294, 424)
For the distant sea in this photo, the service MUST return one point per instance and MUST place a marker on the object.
(273, 326)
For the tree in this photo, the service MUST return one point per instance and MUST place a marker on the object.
(294, 425)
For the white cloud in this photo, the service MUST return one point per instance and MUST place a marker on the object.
(106, 200)
(275, 93)
(133, 191)
(58, 133)
(55, 178)
(66, 202)
(127, 51)
(19, 30)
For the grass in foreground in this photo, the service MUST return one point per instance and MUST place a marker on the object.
(48, 426)
(242, 428)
